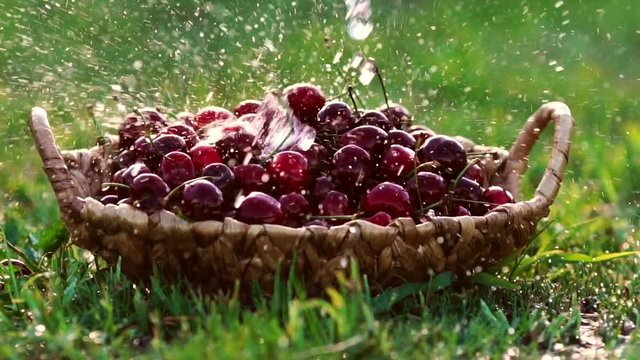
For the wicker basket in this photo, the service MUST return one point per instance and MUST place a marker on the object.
(215, 255)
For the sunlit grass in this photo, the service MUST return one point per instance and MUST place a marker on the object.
(465, 68)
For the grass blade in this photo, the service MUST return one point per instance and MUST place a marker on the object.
(383, 302)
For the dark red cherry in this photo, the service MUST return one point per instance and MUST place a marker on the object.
(421, 136)
(496, 195)
(247, 107)
(305, 101)
(470, 195)
(204, 154)
(351, 165)
(296, 209)
(425, 189)
(237, 147)
(166, 143)
(187, 118)
(134, 171)
(460, 210)
(399, 116)
(335, 117)
(126, 158)
(117, 178)
(201, 200)
(380, 218)
(289, 170)
(260, 208)
(370, 138)
(317, 158)
(151, 153)
(148, 192)
(475, 173)
(210, 114)
(336, 204)
(251, 177)
(447, 151)
(109, 199)
(135, 126)
(220, 175)
(398, 161)
(402, 138)
(387, 197)
(321, 187)
(176, 168)
(375, 118)
(186, 132)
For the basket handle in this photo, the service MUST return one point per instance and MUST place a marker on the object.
(518, 159)
(54, 165)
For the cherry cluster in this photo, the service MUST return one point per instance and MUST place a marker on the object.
(373, 165)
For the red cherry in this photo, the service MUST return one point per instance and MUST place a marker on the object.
(401, 137)
(475, 173)
(201, 200)
(469, 194)
(289, 170)
(447, 151)
(260, 208)
(204, 154)
(460, 210)
(352, 165)
(186, 132)
(370, 138)
(399, 116)
(176, 168)
(335, 118)
(426, 189)
(187, 118)
(251, 177)
(296, 209)
(397, 162)
(380, 218)
(148, 192)
(336, 204)
(496, 195)
(212, 114)
(305, 100)
(135, 126)
(375, 118)
(247, 107)
(387, 197)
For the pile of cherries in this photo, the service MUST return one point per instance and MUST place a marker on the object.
(371, 165)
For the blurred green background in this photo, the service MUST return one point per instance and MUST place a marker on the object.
(471, 68)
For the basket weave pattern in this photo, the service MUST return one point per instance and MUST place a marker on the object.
(213, 255)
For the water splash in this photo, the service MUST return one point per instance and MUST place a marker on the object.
(359, 25)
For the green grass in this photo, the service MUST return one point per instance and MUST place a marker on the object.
(472, 68)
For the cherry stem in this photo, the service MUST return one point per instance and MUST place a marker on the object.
(461, 174)
(353, 101)
(414, 172)
(427, 208)
(116, 185)
(147, 134)
(474, 201)
(177, 188)
(335, 217)
(381, 80)
(458, 178)
(476, 153)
